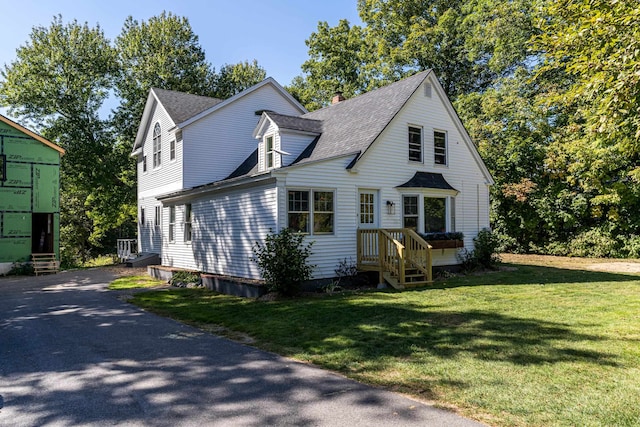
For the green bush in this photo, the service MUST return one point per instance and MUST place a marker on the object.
(631, 246)
(183, 277)
(21, 269)
(282, 260)
(484, 254)
(593, 243)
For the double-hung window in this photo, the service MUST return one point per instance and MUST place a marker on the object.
(410, 212)
(439, 147)
(172, 150)
(187, 222)
(311, 211)
(157, 146)
(415, 144)
(269, 152)
(172, 223)
(158, 220)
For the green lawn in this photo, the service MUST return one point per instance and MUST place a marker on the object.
(135, 282)
(537, 346)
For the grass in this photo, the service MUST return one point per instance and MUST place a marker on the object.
(134, 282)
(537, 345)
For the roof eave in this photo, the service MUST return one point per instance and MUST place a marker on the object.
(214, 187)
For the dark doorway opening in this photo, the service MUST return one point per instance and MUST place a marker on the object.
(42, 233)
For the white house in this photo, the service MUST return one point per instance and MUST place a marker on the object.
(359, 177)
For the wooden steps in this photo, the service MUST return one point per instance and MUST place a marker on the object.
(45, 263)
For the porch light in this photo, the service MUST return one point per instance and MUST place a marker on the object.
(391, 207)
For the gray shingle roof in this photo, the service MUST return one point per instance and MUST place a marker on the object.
(182, 106)
(295, 122)
(352, 125)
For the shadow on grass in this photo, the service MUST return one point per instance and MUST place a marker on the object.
(533, 275)
(375, 326)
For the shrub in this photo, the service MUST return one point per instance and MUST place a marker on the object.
(181, 278)
(21, 269)
(282, 260)
(593, 243)
(631, 246)
(484, 254)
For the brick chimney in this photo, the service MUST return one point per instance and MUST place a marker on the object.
(337, 97)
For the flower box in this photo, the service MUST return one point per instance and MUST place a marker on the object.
(444, 240)
(446, 244)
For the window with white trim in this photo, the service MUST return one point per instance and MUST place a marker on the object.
(415, 144)
(144, 164)
(269, 152)
(172, 149)
(172, 223)
(410, 212)
(311, 211)
(187, 222)
(142, 216)
(157, 146)
(439, 147)
(157, 219)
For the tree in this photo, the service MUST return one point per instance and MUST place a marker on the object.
(595, 45)
(233, 79)
(469, 44)
(163, 52)
(339, 60)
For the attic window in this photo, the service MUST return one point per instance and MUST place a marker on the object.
(269, 151)
(427, 90)
(157, 146)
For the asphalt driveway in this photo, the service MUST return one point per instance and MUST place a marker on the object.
(72, 353)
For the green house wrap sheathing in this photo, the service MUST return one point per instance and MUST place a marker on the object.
(29, 191)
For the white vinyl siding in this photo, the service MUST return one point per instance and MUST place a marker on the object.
(225, 228)
(168, 178)
(220, 142)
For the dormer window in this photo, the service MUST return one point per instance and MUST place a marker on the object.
(157, 146)
(270, 154)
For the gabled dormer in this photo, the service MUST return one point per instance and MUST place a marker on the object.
(282, 138)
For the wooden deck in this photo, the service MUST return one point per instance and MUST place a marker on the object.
(400, 256)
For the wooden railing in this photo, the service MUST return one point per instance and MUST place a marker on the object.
(418, 253)
(126, 248)
(394, 250)
(391, 255)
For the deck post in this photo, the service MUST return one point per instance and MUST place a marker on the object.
(381, 256)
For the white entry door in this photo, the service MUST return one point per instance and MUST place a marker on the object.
(369, 210)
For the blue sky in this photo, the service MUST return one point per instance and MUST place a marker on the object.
(271, 31)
